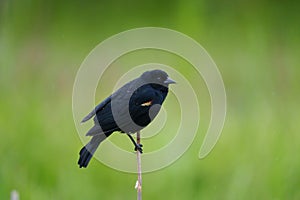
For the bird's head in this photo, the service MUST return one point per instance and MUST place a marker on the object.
(157, 76)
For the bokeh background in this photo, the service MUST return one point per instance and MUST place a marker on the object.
(255, 45)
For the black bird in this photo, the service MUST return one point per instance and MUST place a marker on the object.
(128, 110)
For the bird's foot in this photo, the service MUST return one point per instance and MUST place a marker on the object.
(138, 147)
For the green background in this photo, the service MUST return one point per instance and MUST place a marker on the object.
(256, 47)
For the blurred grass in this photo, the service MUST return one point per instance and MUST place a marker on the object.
(255, 45)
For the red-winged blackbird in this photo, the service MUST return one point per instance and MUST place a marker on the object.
(128, 110)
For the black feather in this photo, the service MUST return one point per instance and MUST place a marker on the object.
(127, 110)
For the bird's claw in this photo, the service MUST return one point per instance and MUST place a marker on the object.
(138, 147)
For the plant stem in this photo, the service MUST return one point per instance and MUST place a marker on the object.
(139, 168)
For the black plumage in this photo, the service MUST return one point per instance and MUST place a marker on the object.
(128, 110)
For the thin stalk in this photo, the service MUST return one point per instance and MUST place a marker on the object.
(139, 169)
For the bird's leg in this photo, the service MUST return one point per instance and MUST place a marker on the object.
(137, 147)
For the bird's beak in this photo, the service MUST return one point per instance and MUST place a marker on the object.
(169, 81)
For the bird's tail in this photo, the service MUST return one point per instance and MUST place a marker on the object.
(87, 152)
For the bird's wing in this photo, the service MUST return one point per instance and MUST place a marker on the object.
(99, 107)
(120, 98)
(105, 116)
